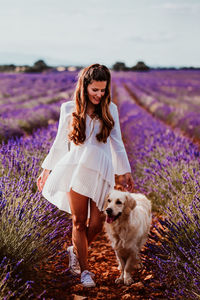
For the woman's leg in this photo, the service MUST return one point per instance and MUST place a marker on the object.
(79, 208)
(96, 221)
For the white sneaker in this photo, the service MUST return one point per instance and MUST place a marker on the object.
(74, 266)
(86, 279)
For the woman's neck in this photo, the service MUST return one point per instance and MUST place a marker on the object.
(90, 108)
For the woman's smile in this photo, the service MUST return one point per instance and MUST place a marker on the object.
(97, 99)
(96, 91)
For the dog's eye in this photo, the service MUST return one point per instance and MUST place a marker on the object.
(118, 201)
(109, 200)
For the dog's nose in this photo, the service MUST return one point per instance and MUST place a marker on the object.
(109, 211)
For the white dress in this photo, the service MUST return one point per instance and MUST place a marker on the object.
(88, 168)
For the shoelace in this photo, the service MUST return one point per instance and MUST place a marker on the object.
(74, 261)
(86, 277)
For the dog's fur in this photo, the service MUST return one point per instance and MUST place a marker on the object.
(128, 220)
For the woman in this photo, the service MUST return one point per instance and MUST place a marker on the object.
(82, 174)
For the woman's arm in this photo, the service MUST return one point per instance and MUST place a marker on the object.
(58, 148)
(119, 156)
(61, 143)
(42, 179)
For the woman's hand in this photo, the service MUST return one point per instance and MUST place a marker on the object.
(125, 180)
(129, 182)
(42, 179)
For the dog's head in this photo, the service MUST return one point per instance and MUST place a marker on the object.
(118, 203)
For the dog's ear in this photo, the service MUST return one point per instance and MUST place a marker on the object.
(105, 201)
(130, 202)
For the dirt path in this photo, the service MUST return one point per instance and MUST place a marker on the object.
(60, 284)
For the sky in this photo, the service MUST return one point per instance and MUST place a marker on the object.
(81, 32)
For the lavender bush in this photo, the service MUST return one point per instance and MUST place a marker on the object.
(176, 258)
(172, 96)
(166, 168)
(32, 229)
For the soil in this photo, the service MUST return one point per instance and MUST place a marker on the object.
(55, 278)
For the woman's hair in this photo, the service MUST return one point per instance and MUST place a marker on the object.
(86, 76)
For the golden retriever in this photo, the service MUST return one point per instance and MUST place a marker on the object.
(128, 220)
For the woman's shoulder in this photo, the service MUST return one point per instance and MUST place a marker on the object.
(113, 107)
(68, 106)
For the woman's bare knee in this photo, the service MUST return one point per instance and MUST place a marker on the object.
(79, 222)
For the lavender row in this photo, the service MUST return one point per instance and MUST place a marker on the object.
(9, 110)
(26, 120)
(171, 96)
(166, 168)
(20, 88)
(32, 229)
(32, 100)
(169, 86)
(155, 146)
(175, 255)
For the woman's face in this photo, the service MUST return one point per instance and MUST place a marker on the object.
(96, 90)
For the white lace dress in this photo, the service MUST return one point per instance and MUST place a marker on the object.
(88, 168)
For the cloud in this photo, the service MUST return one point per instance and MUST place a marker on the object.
(182, 8)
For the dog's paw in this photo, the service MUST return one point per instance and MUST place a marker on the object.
(128, 280)
(119, 280)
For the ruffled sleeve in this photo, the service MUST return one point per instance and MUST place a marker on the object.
(60, 145)
(119, 156)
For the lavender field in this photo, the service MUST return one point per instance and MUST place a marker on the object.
(29, 101)
(165, 165)
(172, 96)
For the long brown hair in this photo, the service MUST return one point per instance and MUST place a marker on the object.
(95, 72)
